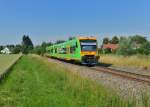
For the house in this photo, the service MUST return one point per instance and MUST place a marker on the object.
(5, 51)
(112, 47)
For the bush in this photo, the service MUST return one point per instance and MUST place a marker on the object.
(39, 50)
(138, 39)
(125, 47)
(144, 49)
(107, 50)
(17, 49)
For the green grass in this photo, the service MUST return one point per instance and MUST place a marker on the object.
(140, 61)
(35, 82)
(7, 60)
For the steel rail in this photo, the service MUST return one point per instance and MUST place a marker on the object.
(124, 74)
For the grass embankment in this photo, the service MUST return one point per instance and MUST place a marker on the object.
(35, 82)
(131, 61)
(7, 60)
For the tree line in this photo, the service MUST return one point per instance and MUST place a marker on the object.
(131, 45)
(27, 46)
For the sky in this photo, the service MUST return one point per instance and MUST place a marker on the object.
(50, 20)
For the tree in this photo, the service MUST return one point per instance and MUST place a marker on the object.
(27, 44)
(145, 48)
(45, 44)
(59, 41)
(10, 47)
(125, 47)
(1, 48)
(107, 51)
(71, 38)
(49, 43)
(41, 49)
(17, 49)
(122, 38)
(105, 40)
(138, 39)
(115, 40)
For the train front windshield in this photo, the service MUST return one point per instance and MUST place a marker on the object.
(88, 45)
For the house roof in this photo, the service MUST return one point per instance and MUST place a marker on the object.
(110, 46)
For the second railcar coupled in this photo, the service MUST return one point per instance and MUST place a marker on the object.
(80, 49)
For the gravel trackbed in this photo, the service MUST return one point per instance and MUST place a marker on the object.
(123, 86)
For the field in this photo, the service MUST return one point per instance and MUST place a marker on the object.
(139, 61)
(6, 61)
(35, 82)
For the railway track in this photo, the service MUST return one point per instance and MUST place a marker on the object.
(124, 74)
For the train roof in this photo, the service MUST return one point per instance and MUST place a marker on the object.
(71, 41)
(85, 38)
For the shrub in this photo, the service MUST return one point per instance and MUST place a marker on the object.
(17, 49)
(39, 50)
(138, 39)
(125, 47)
(144, 48)
(107, 50)
(115, 40)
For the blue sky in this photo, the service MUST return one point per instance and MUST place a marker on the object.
(50, 20)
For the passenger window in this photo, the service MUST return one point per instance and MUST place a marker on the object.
(72, 49)
(62, 51)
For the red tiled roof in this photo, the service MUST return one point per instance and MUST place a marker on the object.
(111, 46)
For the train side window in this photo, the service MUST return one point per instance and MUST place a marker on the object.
(64, 50)
(59, 50)
(72, 49)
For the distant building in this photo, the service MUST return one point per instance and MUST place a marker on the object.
(112, 47)
(5, 51)
(136, 46)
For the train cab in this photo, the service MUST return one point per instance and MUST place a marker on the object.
(89, 50)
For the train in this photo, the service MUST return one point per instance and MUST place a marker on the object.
(83, 50)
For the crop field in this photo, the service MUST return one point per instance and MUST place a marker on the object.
(36, 82)
(6, 61)
(140, 61)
